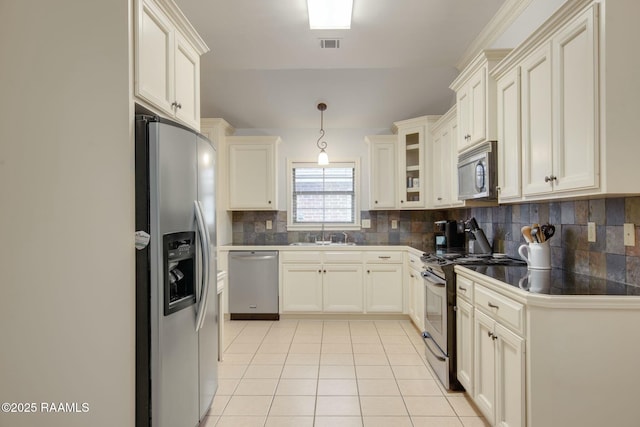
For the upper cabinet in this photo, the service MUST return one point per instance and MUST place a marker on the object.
(167, 61)
(444, 159)
(383, 167)
(564, 124)
(414, 161)
(476, 100)
(252, 172)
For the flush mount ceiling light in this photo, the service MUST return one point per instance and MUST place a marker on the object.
(330, 14)
(323, 157)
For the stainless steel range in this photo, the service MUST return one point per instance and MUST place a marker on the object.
(440, 305)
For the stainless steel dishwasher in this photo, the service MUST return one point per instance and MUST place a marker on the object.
(253, 285)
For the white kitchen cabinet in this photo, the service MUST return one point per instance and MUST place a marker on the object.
(383, 283)
(415, 282)
(559, 111)
(414, 161)
(322, 281)
(476, 100)
(342, 288)
(509, 140)
(464, 344)
(252, 172)
(167, 61)
(444, 161)
(575, 135)
(383, 165)
(560, 95)
(499, 372)
(302, 287)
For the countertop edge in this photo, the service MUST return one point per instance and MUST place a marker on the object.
(598, 302)
(398, 248)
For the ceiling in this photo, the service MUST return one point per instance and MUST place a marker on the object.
(266, 68)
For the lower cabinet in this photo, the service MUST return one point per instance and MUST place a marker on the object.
(499, 372)
(491, 352)
(341, 282)
(416, 298)
(384, 288)
(342, 288)
(464, 344)
(302, 287)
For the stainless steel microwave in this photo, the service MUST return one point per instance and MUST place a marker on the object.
(477, 174)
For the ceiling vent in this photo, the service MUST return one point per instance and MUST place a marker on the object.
(330, 43)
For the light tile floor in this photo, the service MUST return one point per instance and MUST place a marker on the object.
(304, 373)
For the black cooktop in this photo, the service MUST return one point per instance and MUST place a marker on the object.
(460, 258)
(555, 281)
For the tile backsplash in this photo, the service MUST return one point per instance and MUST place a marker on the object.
(607, 257)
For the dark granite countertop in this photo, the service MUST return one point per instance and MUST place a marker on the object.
(555, 281)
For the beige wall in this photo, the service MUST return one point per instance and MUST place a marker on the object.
(66, 211)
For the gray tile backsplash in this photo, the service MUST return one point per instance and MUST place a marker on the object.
(605, 258)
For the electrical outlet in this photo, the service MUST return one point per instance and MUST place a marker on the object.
(269, 224)
(591, 231)
(394, 224)
(629, 234)
(366, 223)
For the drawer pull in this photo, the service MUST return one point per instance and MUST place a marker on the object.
(384, 257)
(462, 289)
(492, 305)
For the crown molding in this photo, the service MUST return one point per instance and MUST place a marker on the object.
(182, 23)
(505, 16)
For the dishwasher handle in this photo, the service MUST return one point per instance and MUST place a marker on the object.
(253, 256)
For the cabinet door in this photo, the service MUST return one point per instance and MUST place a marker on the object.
(154, 70)
(383, 175)
(484, 371)
(464, 344)
(416, 298)
(478, 106)
(454, 161)
(575, 136)
(251, 176)
(411, 167)
(301, 287)
(442, 165)
(342, 288)
(187, 83)
(463, 103)
(384, 288)
(510, 379)
(537, 138)
(509, 160)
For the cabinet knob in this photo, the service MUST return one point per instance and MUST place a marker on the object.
(490, 334)
(324, 271)
(176, 105)
(269, 201)
(550, 178)
(376, 202)
(368, 271)
(439, 198)
(401, 201)
(319, 271)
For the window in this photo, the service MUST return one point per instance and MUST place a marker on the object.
(323, 195)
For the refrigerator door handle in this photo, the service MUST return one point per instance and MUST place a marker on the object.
(206, 260)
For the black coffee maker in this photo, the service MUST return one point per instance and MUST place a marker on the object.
(449, 236)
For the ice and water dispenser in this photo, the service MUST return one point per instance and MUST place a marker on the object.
(179, 252)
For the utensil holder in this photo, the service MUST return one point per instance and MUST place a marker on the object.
(537, 255)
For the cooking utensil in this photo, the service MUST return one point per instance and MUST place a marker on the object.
(526, 232)
(534, 234)
(548, 230)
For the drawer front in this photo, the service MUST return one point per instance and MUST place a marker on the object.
(379, 257)
(504, 310)
(464, 288)
(342, 257)
(300, 256)
(414, 262)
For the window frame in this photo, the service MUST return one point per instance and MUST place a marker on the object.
(314, 226)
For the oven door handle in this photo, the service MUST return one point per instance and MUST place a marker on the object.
(432, 278)
(426, 337)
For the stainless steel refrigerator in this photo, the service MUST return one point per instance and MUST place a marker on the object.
(176, 298)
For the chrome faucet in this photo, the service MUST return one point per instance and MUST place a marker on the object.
(346, 237)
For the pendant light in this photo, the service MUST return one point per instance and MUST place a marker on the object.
(323, 157)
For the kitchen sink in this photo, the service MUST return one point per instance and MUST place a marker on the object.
(321, 243)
